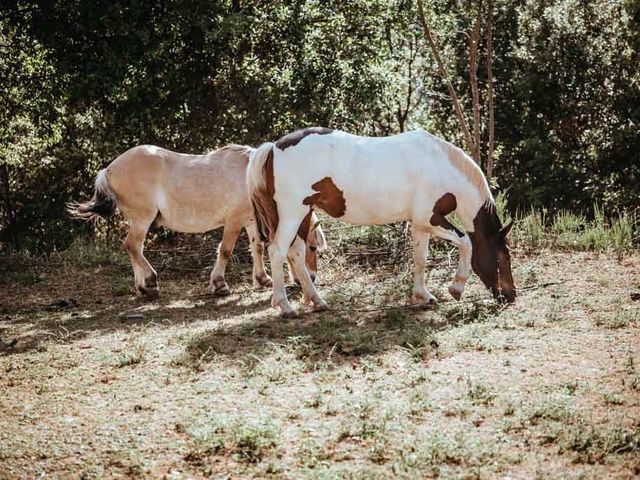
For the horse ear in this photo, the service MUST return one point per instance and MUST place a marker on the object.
(505, 231)
(314, 226)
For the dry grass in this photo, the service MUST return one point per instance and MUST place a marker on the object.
(95, 382)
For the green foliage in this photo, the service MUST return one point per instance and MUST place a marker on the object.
(84, 81)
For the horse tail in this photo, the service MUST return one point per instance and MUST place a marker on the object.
(261, 190)
(102, 204)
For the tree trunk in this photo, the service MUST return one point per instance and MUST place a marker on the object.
(474, 40)
(6, 191)
(490, 160)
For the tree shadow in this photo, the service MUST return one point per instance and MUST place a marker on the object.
(68, 320)
(335, 336)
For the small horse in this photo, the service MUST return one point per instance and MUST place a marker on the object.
(413, 176)
(185, 193)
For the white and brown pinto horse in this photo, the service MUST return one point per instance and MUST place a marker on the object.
(412, 177)
(185, 193)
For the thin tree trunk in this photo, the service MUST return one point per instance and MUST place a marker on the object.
(445, 77)
(490, 160)
(6, 190)
(474, 40)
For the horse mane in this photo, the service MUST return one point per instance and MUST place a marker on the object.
(469, 169)
(234, 147)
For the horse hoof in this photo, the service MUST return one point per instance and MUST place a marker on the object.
(425, 302)
(289, 313)
(264, 282)
(151, 293)
(455, 292)
(321, 307)
(222, 291)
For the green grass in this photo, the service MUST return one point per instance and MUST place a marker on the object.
(592, 444)
(479, 393)
(617, 233)
(245, 440)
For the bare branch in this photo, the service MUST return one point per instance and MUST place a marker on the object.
(443, 72)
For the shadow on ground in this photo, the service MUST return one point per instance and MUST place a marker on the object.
(335, 335)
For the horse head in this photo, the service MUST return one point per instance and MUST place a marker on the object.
(491, 259)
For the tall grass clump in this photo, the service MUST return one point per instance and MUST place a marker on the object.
(573, 231)
(614, 235)
(595, 235)
(530, 229)
(566, 228)
(622, 234)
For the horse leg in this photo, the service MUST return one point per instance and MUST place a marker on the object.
(217, 281)
(260, 276)
(146, 278)
(297, 261)
(420, 295)
(463, 242)
(278, 249)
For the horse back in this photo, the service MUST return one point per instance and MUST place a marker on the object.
(186, 193)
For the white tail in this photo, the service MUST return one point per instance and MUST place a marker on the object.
(261, 193)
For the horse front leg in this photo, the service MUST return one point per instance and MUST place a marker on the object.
(296, 258)
(260, 276)
(463, 242)
(278, 249)
(421, 295)
(146, 278)
(225, 249)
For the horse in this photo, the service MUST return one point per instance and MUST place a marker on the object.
(185, 193)
(413, 177)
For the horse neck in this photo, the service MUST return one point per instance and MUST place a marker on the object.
(471, 205)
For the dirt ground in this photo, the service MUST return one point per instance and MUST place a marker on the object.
(96, 383)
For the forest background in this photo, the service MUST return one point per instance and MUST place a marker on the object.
(83, 81)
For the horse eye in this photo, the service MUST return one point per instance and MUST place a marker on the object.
(313, 248)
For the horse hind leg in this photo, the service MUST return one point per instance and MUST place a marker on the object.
(225, 249)
(260, 276)
(146, 278)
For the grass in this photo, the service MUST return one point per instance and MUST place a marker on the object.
(617, 234)
(590, 444)
(193, 386)
(246, 441)
(618, 319)
(132, 356)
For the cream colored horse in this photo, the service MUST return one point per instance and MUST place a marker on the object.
(185, 193)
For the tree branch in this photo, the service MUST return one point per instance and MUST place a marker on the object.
(445, 77)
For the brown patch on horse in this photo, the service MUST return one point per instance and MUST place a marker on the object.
(225, 253)
(328, 198)
(293, 138)
(305, 226)
(443, 207)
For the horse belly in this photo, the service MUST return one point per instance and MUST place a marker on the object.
(189, 217)
(375, 207)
